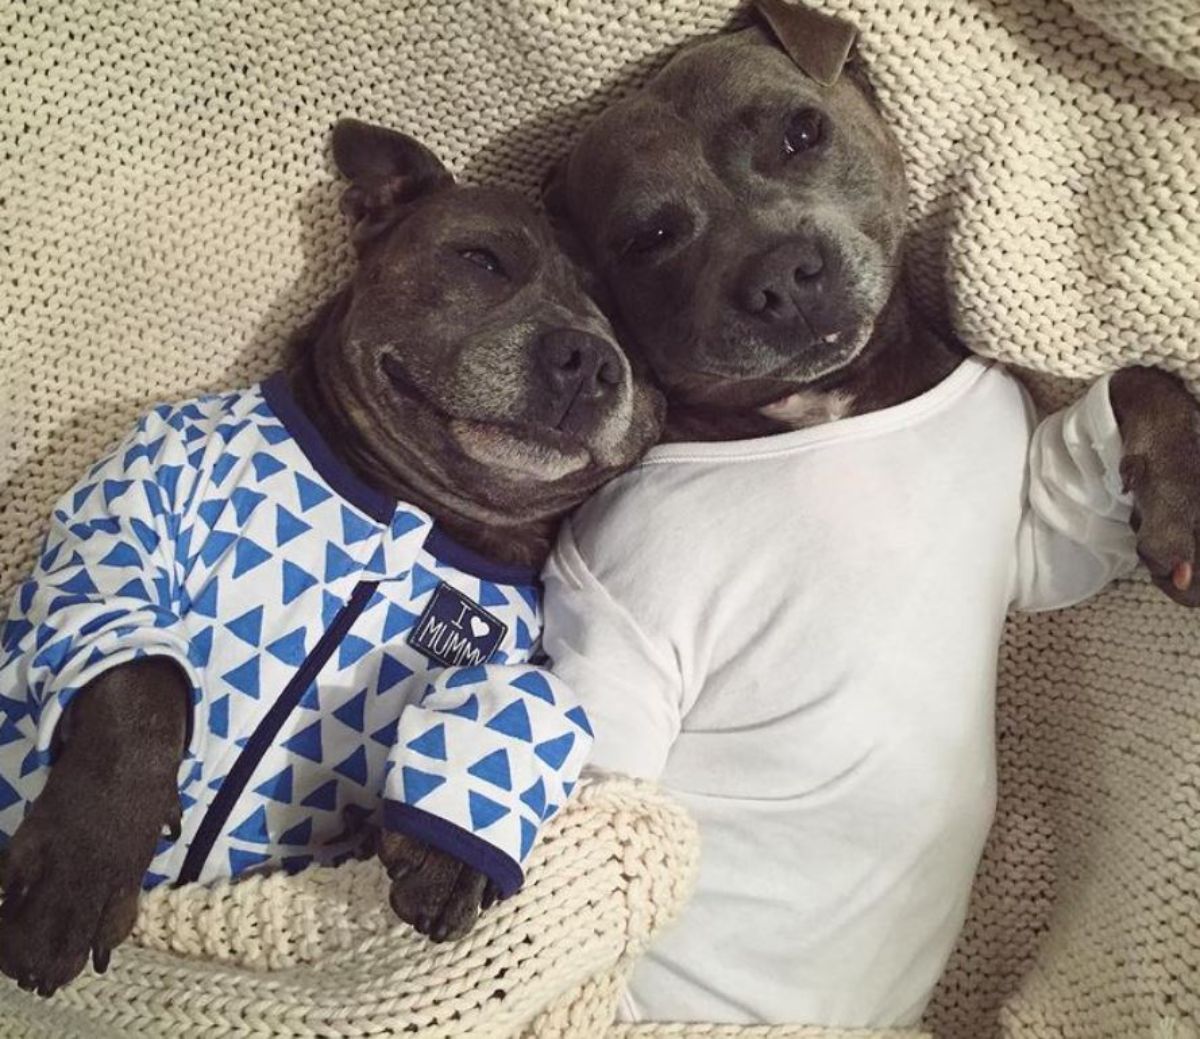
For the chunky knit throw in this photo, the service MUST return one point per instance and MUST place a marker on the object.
(170, 214)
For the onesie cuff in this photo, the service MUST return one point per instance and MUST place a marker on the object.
(474, 851)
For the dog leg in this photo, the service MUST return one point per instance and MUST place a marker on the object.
(73, 871)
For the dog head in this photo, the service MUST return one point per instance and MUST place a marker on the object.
(745, 210)
(464, 359)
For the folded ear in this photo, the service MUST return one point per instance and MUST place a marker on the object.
(818, 43)
(386, 170)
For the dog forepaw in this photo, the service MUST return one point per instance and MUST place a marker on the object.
(433, 892)
(60, 907)
(1166, 519)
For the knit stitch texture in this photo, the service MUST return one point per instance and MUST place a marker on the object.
(171, 214)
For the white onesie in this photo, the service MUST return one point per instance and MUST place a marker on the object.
(798, 636)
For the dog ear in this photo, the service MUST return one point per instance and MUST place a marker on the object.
(818, 43)
(386, 170)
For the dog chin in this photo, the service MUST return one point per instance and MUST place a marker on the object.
(516, 456)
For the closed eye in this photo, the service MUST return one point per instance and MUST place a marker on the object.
(486, 259)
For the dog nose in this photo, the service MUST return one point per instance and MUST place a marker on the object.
(580, 368)
(776, 284)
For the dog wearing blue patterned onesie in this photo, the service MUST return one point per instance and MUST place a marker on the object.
(300, 621)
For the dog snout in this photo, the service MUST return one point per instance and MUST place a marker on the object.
(581, 370)
(776, 285)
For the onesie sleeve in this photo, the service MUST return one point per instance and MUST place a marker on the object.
(486, 757)
(1074, 537)
(105, 589)
(627, 678)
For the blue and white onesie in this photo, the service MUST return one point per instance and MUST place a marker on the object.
(348, 662)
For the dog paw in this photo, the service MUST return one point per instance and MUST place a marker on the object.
(1166, 517)
(433, 892)
(70, 891)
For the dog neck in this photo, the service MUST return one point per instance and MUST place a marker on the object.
(522, 541)
(904, 358)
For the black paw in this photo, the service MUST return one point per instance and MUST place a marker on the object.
(432, 891)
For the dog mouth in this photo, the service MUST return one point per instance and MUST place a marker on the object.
(515, 449)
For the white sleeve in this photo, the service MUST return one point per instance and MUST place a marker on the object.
(627, 680)
(1074, 536)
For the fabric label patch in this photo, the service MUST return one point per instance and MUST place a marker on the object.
(455, 631)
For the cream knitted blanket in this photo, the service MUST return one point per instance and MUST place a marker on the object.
(169, 214)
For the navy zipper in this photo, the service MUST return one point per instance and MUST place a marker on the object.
(235, 783)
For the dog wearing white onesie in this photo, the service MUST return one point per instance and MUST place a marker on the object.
(789, 613)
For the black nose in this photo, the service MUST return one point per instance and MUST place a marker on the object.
(777, 284)
(580, 370)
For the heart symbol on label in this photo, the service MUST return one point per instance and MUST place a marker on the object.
(479, 628)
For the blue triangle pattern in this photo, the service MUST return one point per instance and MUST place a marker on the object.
(113, 489)
(535, 798)
(554, 752)
(218, 717)
(469, 708)
(423, 581)
(265, 465)
(431, 743)
(513, 721)
(403, 522)
(354, 527)
(248, 627)
(244, 677)
(245, 501)
(354, 767)
(222, 466)
(312, 697)
(331, 606)
(338, 563)
(210, 511)
(296, 581)
(352, 650)
(288, 527)
(391, 674)
(253, 828)
(278, 787)
(528, 836)
(145, 534)
(200, 648)
(80, 584)
(247, 556)
(352, 711)
(289, 649)
(493, 769)
(215, 545)
(9, 797)
(484, 811)
(122, 554)
(466, 676)
(534, 683)
(385, 736)
(240, 861)
(579, 716)
(300, 834)
(378, 561)
(418, 784)
(324, 797)
(523, 639)
(490, 595)
(398, 621)
(310, 493)
(307, 743)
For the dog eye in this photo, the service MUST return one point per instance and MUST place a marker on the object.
(804, 131)
(486, 259)
(645, 242)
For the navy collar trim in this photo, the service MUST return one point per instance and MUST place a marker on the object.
(379, 506)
